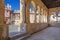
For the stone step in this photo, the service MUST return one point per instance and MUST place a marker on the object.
(23, 37)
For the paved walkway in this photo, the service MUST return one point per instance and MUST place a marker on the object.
(51, 33)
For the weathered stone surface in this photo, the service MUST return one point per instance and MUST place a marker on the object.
(34, 27)
(3, 26)
(50, 33)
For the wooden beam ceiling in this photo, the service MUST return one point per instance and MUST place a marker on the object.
(51, 3)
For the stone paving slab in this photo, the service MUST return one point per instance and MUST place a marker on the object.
(50, 33)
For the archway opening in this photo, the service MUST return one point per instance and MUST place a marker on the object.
(14, 17)
(32, 12)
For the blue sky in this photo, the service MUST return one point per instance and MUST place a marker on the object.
(31, 7)
(14, 3)
(58, 12)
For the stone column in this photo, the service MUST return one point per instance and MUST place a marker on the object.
(40, 16)
(3, 26)
(35, 14)
(56, 17)
(48, 16)
(38, 13)
(22, 14)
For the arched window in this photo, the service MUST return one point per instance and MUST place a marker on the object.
(42, 16)
(14, 18)
(38, 14)
(31, 8)
(53, 17)
(59, 16)
(45, 16)
(32, 13)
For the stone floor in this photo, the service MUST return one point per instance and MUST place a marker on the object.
(50, 33)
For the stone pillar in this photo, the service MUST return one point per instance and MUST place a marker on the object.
(27, 16)
(56, 17)
(22, 14)
(48, 17)
(35, 14)
(3, 26)
(40, 16)
(22, 11)
(38, 13)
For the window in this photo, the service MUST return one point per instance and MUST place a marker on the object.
(53, 17)
(37, 14)
(45, 16)
(58, 17)
(32, 13)
(14, 19)
(42, 16)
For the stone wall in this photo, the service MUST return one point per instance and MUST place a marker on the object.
(57, 9)
(30, 27)
(34, 27)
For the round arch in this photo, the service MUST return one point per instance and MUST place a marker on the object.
(34, 4)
